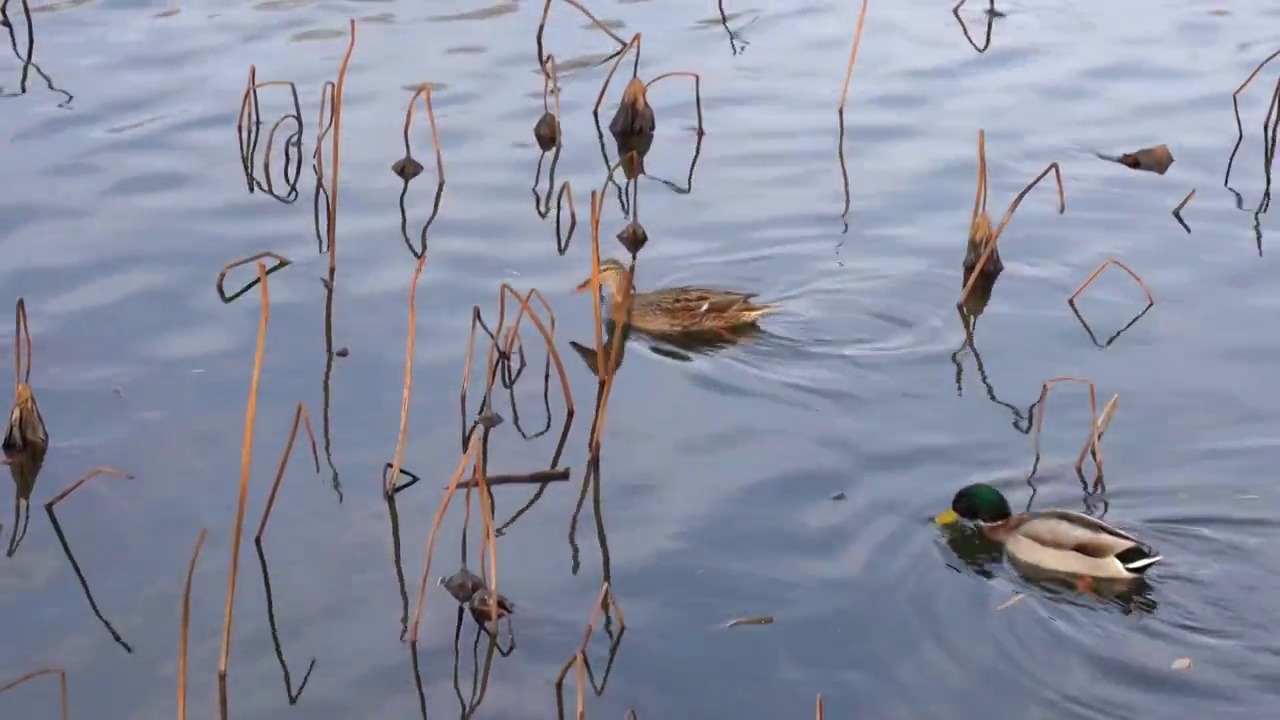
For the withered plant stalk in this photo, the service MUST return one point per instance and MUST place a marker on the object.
(184, 629)
(853, 56)
(980, 219)
(410, 339)
(62, 685)
(1042, 403)
(605, 602)
(542, 27)
(1094, 444)
(246, 456)
(1111, 261)
(300, 416)
(424, 91)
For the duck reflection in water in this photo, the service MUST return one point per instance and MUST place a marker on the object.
(1059, 551)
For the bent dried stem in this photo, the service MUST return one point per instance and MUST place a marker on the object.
(1235, 106)
(1177, 211)
(697, 91)
(424, 91)
(991, 18)
(1111, 261)
(62, 685)
(248, 128)
(407, 390)
(1093, 445)
(606, 603)
(542, 27)
(1042, 403)
(184, 629)
(1004, 221)
(300, 416)
(246, 456)
(467, 457)
(281, 263)
(66, 547)
(634, 42)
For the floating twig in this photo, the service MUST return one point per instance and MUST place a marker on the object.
(537, 477)
(758, 620)
(66, 547)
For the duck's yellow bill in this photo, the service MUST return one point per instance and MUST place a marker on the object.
(946, 517)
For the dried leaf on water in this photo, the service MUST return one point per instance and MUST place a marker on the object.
(406, 168)
(760, 620)
(634, 116)
(547, 132)
(633, 237)
(1154, 159)
(1181, 664)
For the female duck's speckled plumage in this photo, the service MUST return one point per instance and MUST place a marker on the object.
(680, 309)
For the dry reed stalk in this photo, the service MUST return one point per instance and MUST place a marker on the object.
(62, 685)
(1042, 402)
(467, 457)
(281, 262)
(1111, 261)
(819, 713)
(410, 340)
(542, 27)
(21, 332)
(66, 547)
(1177, 211)
(250, 116)
(605, 601)
(1235, 106)
(424, 91)
(853, 56)
(991, 18)
(548, 335)
(1095, 445)
(300, 416)
(550, 84)
(697, 91)
(184, 629)
(246, 455)
(1008, 215)
(488, 540)
(335, 148)
(635, 69)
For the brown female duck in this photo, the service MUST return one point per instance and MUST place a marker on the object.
(680, 309)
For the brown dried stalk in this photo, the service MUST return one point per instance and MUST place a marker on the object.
(542, 27)
(281, 262)
(410, 340)
(467, 457)
(184, 629)
(1235, 106)
(853, 56)
(980, 220)
(1177, 211)
(335, 149)
(300, 416)
(991, 13)
(246, 456)
(697, 91)
(819, 713)
(66, 547)
(634, 42)
(21, 332)
(1093, 445)
(62, 684)
(424, 91)
(1111, 261)
(1042, 402)
(605, 602)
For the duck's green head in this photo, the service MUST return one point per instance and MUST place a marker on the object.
(978, 503)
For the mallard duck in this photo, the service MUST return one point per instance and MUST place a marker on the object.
(1059, 541)
(680, 309)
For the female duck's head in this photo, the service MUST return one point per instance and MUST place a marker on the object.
(978, 503)
(612, 276)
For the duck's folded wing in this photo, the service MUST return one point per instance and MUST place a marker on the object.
(1076, 532)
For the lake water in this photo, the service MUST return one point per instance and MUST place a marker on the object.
(124, 195)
